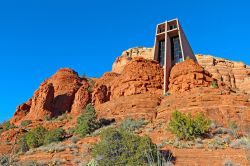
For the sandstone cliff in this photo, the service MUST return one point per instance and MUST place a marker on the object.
(54, 97)
(190, 91)
(233, 74)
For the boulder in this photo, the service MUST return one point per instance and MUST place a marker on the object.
(187, 75)
(138, 77)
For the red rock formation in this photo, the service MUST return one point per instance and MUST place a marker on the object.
(21, 111)
(82, 97)
(137, 93)
(233, 74)
(128, 55)
(214, 103)
(66, 82)
(42, 102)
(138, 77)
(55, 96)
(188, 75)
(135, 106)
(191, 91)
(102, 88)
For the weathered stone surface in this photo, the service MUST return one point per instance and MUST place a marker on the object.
(139, 76)
(42, 102)
(66, 82)
(21, 111)
(188, 75)
(102, 88)
(245, 85)
(81, 99)
(233, 74)
(128, 55)
(214, 103)
(140, 106)
(55, 96)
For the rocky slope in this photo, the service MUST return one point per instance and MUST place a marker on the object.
(134, 90)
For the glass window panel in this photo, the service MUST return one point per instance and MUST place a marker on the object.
(161, 56)
(176, 54)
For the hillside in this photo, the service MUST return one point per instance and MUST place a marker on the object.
(216, 87)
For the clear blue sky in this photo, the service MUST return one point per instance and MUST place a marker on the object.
(38, 37)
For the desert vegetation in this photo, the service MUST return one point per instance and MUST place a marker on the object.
(188, 127)
(87, 122)
(25, 123)
(214, 84)
(132, 125)
(6, 126)
(4, 160)
(120, 147)
(39, 136)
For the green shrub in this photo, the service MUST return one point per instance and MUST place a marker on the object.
(217, 143)
(90, 89)
(241, 143)
(7, 126)
(74, 139)
(84, 76)
(91, 85)
(39, 136)
(55, 135)
(91, 82)
(164, 158)
(22, 144)
(35, 137)
(234, 129)
(70, 131)
(25, 123)
(47, 118)
(120, 147)
(188, 127)
(4, 160)
(62, 117)
(87, 121)
(132, 125)
(92, 163)
(214, 84)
